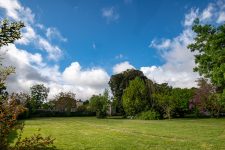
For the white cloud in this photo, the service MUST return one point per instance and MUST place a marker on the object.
(208, 12)
(179, 61)
(28, 35)
(164, 44)
(30, 70)
(53, 33)
(94, 77)
(190, 17)
(11, 7)
(54, 52)
(118, 68)
(221, 17)
(110, 14)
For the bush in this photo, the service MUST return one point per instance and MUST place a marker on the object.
(148, 115)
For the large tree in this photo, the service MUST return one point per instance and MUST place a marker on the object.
(135, 97)
(119, 82)
(209, 48)
(65, 102)
(39, 94)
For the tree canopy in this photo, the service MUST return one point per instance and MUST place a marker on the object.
(209, 45)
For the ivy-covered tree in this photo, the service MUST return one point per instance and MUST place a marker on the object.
(135, 97)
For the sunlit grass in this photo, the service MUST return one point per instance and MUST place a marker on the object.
(91, 133)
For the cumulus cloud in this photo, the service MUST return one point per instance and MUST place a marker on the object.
(110, 14)
(118, 68)
(30, 70)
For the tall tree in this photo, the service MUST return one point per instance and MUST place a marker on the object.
(39, 94)
(119, 82)
(209, 45)
(135, 97)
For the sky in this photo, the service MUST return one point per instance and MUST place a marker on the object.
(77, 45)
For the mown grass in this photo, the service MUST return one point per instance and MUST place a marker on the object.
(91, 133)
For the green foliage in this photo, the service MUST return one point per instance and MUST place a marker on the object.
(181, 98)
(119, 82)
(9, 111)
(210, 53)
(135, 97)
(9, 32)
(34, 142)
(99, 104)
(172, 102)
(148, 115)
(39, 94)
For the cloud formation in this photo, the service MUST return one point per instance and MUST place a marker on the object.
(32, 68)
(179, 61)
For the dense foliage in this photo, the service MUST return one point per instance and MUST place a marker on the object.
(210, 53)
(100, 104)
(135, 97)
(119, 82)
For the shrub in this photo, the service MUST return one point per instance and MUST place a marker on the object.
(35, 142)
(148, 115)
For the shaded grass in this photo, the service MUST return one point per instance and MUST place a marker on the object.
(91, 133)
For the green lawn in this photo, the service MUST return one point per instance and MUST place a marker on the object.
(91, 133)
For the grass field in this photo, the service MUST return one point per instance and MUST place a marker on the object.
(91, 133)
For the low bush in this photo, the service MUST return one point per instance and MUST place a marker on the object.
(148, 115)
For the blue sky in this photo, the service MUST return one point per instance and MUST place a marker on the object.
(129, 35)
(77, 45)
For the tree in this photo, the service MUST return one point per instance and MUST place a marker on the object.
(65, 102)
(39, 94)
(99, 104)
(181, 98)
(135, 97)
(9, 32)
(9, 107)
(119, 82)
(206, 100)
(209, 48)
